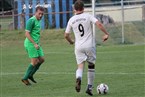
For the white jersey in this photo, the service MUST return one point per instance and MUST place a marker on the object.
(81, 24)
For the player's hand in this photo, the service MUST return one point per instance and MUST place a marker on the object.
(36, 46)
(71, 42)
(105, 37)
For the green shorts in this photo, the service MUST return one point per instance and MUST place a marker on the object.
(33, 52)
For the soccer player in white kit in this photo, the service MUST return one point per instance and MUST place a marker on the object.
(85, 46)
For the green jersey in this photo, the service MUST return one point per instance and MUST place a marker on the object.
(33, 27)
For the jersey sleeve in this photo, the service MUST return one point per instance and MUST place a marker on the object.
(93, 19)
(29, 25)
(68, 27)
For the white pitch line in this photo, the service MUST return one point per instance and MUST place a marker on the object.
(72, 73)
(97, 52)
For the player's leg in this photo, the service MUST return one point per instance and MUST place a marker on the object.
(80, 58)
(29, 70)
(91, 57)
(91, 76)
(36, 67)
(41, 60)
(79, 71)
(79, 74)
(33, 55)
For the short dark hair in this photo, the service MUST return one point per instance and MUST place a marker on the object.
(79, 5)
(39, 8)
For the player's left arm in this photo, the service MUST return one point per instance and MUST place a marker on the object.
(101, 27)
(29, 28)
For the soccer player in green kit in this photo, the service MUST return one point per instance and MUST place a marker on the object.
(32, 45)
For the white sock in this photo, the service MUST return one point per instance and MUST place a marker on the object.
(79, 73)
(91, 76)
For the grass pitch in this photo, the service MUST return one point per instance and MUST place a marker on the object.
(121, 67)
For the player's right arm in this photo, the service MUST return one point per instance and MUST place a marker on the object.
(68, 38)
(67, 34)
(29, 27)
(27, 34)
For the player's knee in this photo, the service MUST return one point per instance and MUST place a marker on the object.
(41, 60)
(35, 62)
(91, 66)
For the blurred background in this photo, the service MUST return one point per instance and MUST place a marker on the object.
(124, 19)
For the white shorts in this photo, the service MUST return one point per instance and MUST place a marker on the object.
(85, 54)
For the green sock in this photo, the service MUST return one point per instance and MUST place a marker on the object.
(28, 72)
(35, 69)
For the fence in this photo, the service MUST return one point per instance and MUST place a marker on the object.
(56, 15)
(125, 23)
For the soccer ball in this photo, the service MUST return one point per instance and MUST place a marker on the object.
(102, 88)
